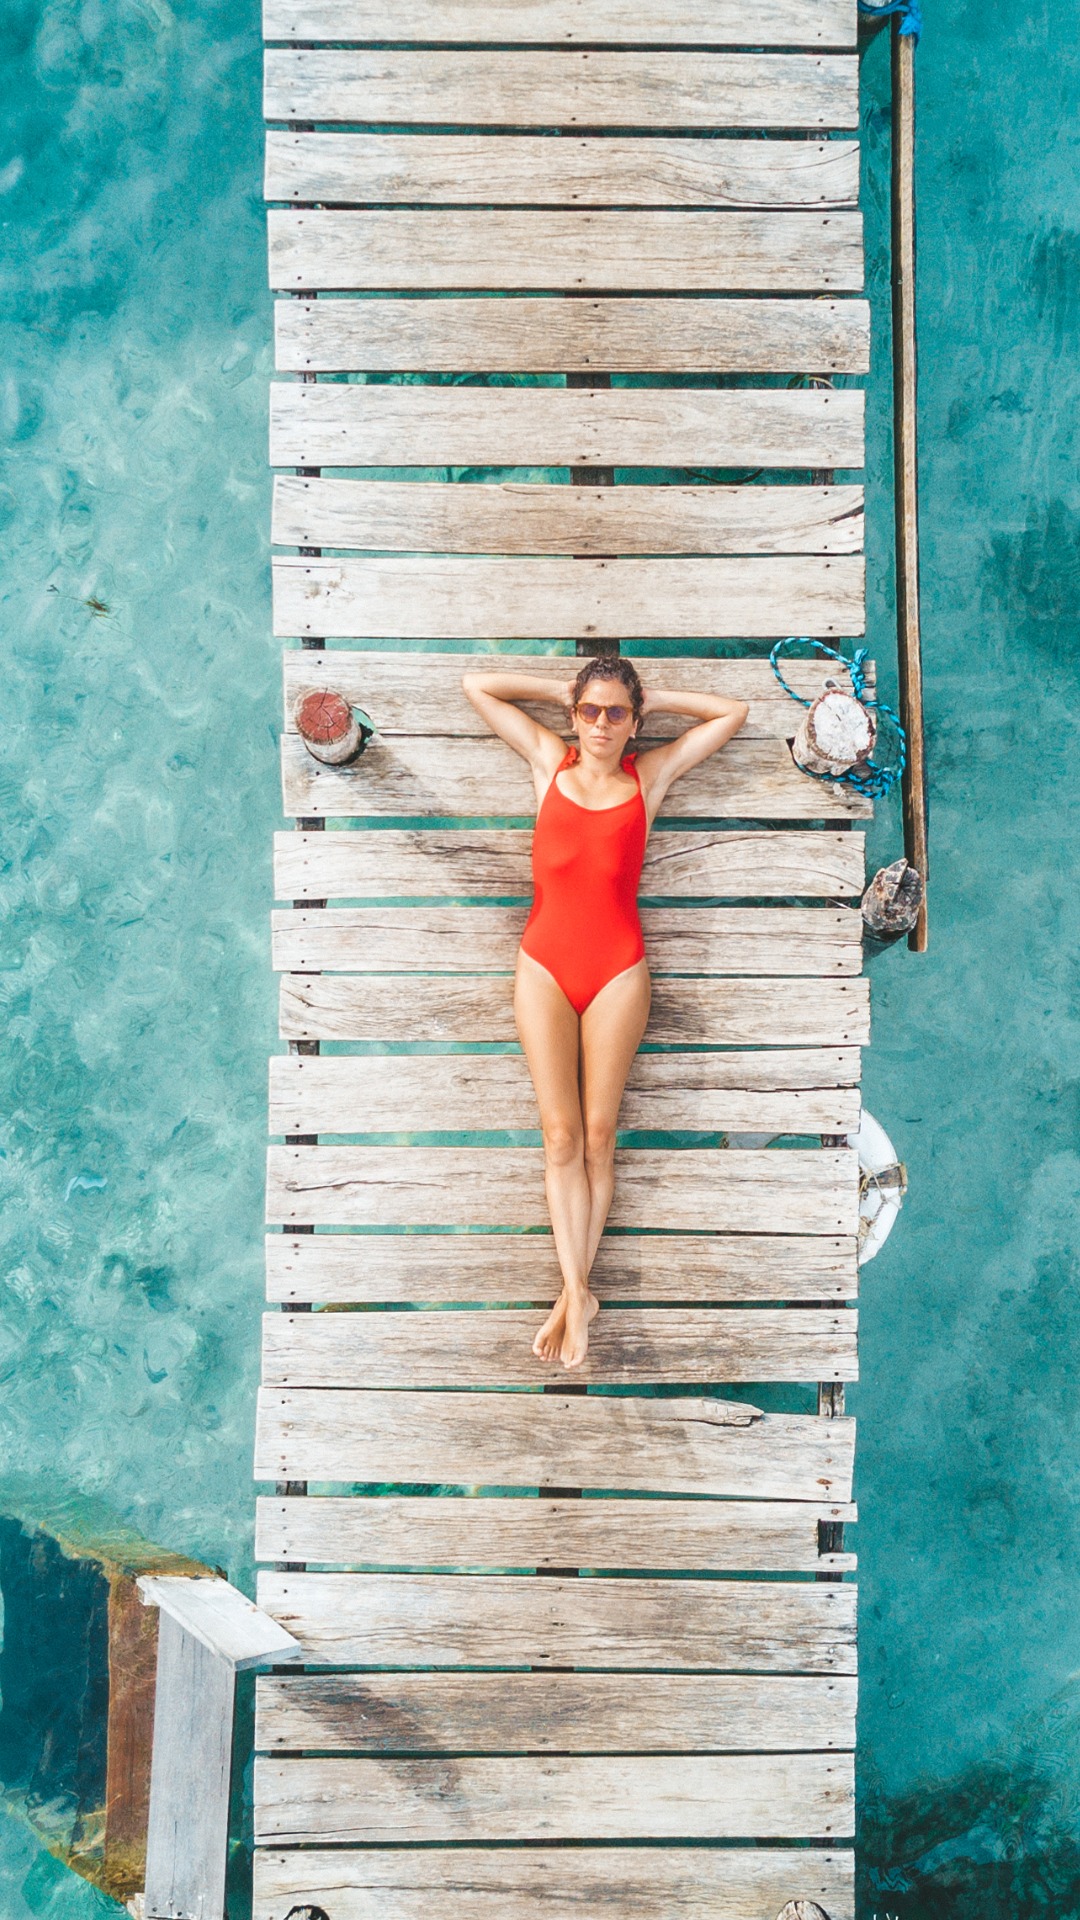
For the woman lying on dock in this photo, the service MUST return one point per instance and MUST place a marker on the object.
(581, 993)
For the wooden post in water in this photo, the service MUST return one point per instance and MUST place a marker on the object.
(906, 482)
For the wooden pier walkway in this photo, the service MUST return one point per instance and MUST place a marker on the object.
(518, 1700)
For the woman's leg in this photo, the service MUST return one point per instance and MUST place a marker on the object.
(549, 1031)
(612, 1027)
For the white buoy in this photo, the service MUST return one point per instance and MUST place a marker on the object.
(882, 1185)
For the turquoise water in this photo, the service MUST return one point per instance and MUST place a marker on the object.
(140, 792)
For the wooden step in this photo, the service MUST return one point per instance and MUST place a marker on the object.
(340, 425)
(506, 1620)
(628, 1346)
(715, 23)
(523, 170)
(497, 1269)
(487, 597)
(421, 693)
(400, 777)
(563, 89)
(762, 940)
(574, 1713)
(781, 1091)
(416, 516)
(701, 335)
(740, 1013)
(683, 1536)
(523, 1883)
(387, 864)
(685, 1446)
(603, 250)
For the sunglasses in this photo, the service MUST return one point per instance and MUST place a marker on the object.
(591, 713)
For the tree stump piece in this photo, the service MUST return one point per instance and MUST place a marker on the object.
(328, 727)
(891, 903)
(835, 733)
(802, 1910)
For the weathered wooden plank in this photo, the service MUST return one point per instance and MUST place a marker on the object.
(503, 1268)
(459, 597)
(220, 1617)
(523, 1883)
(714, 23)
(628, 1346)
(506, 1620)
(557, 335)
(567, 1713)
(751, 1191)
(761, 940)
(342, 424)
(522, 170)
(826, 1013)
(417, 516)
(401, 776)
(187, 1843)
(602, 250)
(387, 864)
(774, 1091)
(684, 1536)
(719, 1447)
(421, 693)
(617, 1798)
(562, 89)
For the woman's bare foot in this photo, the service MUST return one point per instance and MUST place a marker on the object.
(550, 1337)
(581, 1310)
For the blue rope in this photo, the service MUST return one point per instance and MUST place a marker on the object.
(877, 780)
(911, 22)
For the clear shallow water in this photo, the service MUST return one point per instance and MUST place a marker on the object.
(140, 792)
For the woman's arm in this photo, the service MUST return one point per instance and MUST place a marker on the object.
(494, 696)
(718, 720)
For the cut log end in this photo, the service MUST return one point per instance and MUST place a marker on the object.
(802, 1910)
(328, 727)
(892, 901)
(835, 734)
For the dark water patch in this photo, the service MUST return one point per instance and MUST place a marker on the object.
(1033, 579)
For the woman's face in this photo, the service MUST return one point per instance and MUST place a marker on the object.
(603, 736)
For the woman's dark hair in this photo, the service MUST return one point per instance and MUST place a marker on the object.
(611, 666)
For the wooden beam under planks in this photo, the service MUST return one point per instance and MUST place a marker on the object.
(693, 334)
(567, 88)
(544, 1883)
(628, 1443)
(577, 1713)
(714, 23)
(388, 863)
(810, 1090)
(532, 248)
(545, 170)
(684, 1536)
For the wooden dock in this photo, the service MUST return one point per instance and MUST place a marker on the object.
(591, 1634)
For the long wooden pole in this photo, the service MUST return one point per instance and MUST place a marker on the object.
(906, 487)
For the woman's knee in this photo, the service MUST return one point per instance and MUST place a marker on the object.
(564, 1142)
(599, 1143)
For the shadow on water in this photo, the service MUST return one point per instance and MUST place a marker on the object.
(1000, 1841)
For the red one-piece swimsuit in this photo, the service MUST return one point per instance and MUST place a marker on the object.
(584, 926)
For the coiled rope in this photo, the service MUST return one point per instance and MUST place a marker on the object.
(872, 779)
(911, 22)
